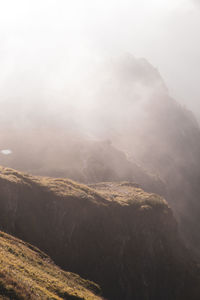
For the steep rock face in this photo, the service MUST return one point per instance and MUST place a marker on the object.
(174, 156)
(28, 273)
(115, 234)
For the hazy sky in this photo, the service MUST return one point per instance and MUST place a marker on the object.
(45, 44)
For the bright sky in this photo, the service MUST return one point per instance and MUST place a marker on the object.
(43, 43)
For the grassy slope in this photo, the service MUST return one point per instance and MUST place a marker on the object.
(28, 273)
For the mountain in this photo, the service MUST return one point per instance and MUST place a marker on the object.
(135, 111)
(159, 135)
(115, 234)
(28, 273)
(132, 130)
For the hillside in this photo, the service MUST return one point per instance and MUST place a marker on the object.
(115, 234)
(28, 273)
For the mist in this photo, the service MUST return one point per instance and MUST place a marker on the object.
(93, 70)
(49, 48)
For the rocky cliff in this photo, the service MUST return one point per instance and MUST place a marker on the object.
(115, 234)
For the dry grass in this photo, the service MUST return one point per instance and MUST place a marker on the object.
(125, 193)
(28, 273)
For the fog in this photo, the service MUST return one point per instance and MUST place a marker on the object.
(48, 48)
(92, 69)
